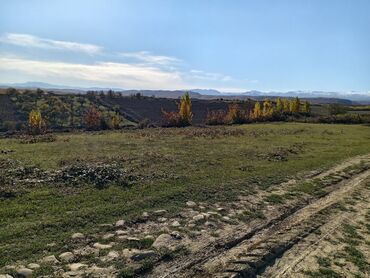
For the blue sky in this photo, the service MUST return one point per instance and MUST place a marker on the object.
(167, 44)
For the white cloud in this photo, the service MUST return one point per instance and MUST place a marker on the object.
(211, 76)
(26, 40)
(140, 70)
(147, 57)
(101, 73)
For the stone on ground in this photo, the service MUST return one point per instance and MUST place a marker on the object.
(191, 204)
(120, 223)
(102, 246)
(33, 266)
(76, 266)
(78, 236)
(142, 255)
(50, 259)
(24, 272)
(67, 257)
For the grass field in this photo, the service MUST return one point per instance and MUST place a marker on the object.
(169, 166)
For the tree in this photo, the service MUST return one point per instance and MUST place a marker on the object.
(181, 118)
(286, 105)
(279, 105)
(216, 117)
(307, 107)
(36, 123)
(235, 115)
(257, 113)
(92, 118)
(116, 121)
(267, 108)
(185, 109)
(295, 105)
(336, 109)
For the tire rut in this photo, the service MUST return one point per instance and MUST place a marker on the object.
(246, 253)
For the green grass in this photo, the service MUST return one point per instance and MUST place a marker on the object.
(171, 166)
(323, 273)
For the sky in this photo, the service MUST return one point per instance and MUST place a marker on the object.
(231, 46)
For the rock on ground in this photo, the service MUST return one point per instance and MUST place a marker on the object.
(102, 246)
(191, 204)
(50, 259)
(142, 255)
(66, 257)
(76, 266)
(24, 272)
(78, 236)
(120, 223)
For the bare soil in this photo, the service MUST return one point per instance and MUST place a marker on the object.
(269, 247)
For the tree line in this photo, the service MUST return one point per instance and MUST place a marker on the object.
(267, 111)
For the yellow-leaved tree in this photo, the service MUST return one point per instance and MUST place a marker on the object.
(295, 105)
(286, 105)
(116, 121)
(257, 112)
(185, 110)
(307, 107)
(36, 123)
(267, 108)
(279, 105)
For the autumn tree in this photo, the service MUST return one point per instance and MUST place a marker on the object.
(185, 109)
(183, 117)
(257, 112)
(307, 107)
(116, 121)
(295, 105)
(93, 118)
(286, 105)
(235, 115)
(268, 109)
(279, 105)
(216, 117)
(36, 123)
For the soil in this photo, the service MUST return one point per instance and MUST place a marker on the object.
(269, 248)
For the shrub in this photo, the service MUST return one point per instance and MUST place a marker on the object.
(93, 118)
(171, 119)
(181, 118)
(100, 175)
(336, 109)
(143, 123)
(216, 117)
(9, 126)
(235, 115)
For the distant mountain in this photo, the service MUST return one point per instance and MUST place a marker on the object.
(209, 92)
(42, 85)
(359, 97)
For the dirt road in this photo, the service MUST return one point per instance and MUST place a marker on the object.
(288, 242)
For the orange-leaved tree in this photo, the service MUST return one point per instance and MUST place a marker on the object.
(93, 118)
(185, 110)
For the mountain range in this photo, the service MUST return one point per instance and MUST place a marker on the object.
(357, 97)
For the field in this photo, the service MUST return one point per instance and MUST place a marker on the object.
(156, 171)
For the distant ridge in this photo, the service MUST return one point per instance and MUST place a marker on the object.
(358, 97)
